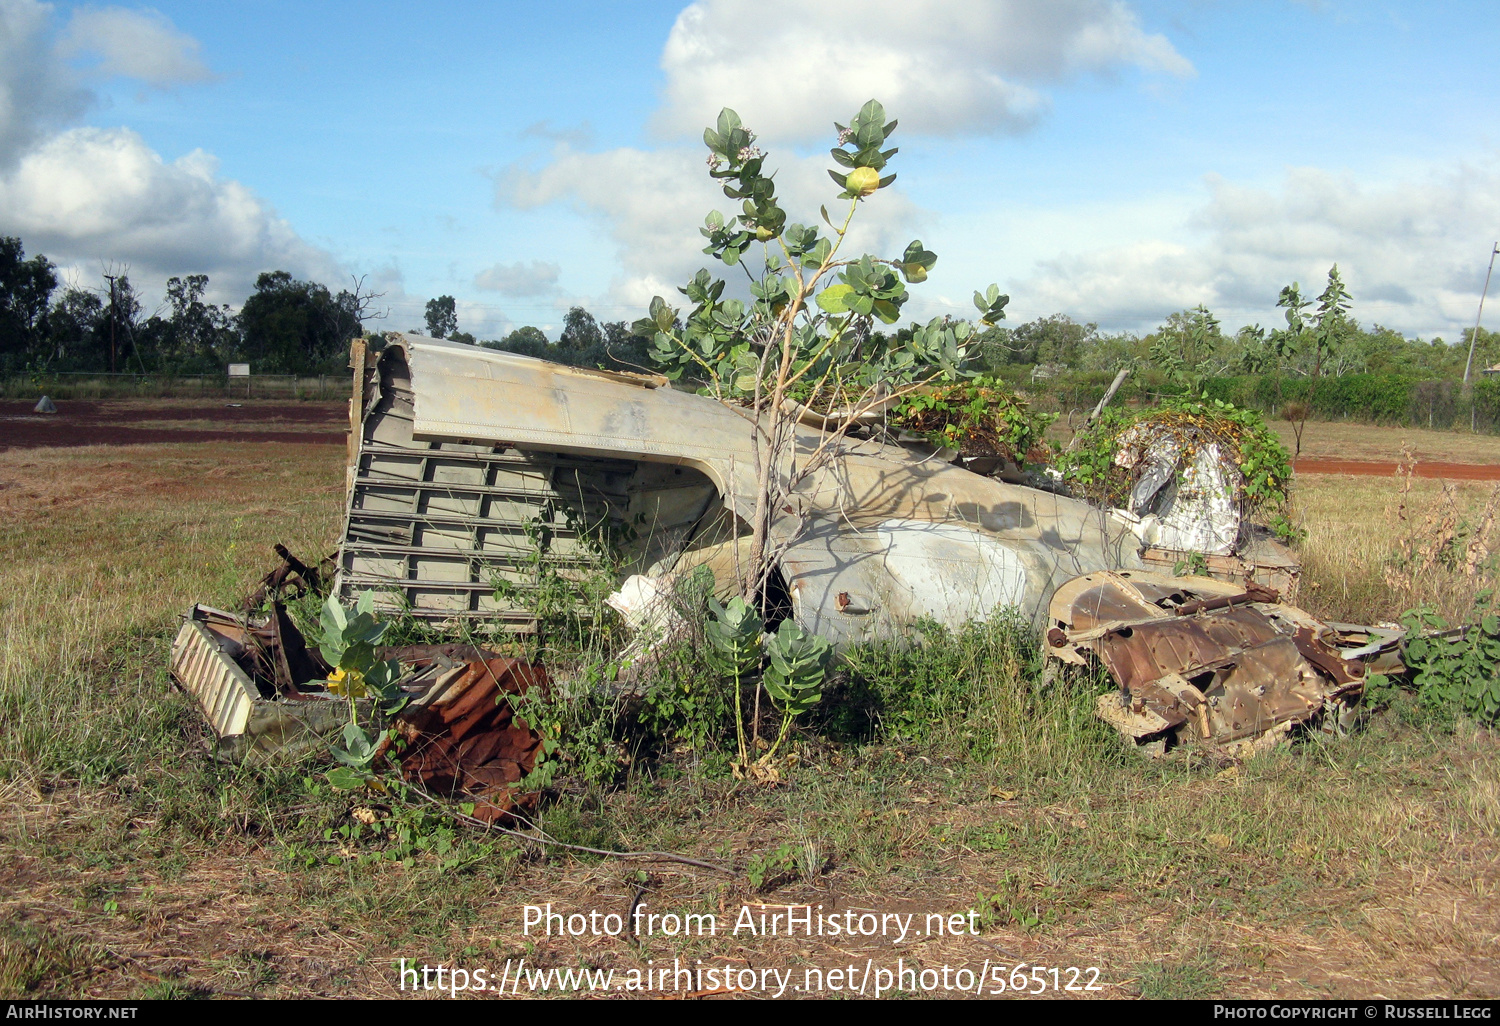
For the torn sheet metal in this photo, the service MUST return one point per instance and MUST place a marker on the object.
(463, 739)
(469, 461)
(1223, 664)
(460, 738)
(233, 669)
(1184, 489)
(1260, 560)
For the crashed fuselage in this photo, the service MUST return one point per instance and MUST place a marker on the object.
(468, 458)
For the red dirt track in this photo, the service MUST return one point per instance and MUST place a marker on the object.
(116, 422)
(1446, 471)
(111, 422)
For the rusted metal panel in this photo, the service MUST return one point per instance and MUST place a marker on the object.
(1202, 660)
(464, 739)
(1261, 562)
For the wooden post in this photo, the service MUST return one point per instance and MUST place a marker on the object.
(1097, 411)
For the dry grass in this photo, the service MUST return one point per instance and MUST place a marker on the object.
(1361, 529)
(1342, 440)
(104, 546)
(1362, 866)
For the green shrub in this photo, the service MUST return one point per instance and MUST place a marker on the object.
(1458, 672)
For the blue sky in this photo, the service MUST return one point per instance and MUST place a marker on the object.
(1113, 161)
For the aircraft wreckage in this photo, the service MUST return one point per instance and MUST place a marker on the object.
(463, 460)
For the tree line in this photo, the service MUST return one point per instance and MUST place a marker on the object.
(290, 326)
(286, 326)
(582, 342)
(1321, 337)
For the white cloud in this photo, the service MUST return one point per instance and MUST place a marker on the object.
(537, 278)
(949, 67)
(37, 92)
(83, 196)
(958, 67)
(142, 45)
(1412, 253)
(396, 309)
(89, 194)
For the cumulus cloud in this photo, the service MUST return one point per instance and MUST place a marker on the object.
(142, 45)
(86, 195)
(37, 92)
(90, 193)
(534, 279)
(396, 309)
(1411, 251)
(959, 66)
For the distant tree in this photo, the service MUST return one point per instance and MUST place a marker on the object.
(123, 325)
(1188, 347)
(442, 317)
(1321, 336)
(296, 327)
(1255, 353)
(626, 350)
(77, 332)
(196, 333)
(1486, 348)
(1056, 338)
(580, 332)
(26, 288)
(527, 341)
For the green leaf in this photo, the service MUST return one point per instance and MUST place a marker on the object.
(356, 740)
(834, 299)
(729, 121)
(346, 779)
(333, 613)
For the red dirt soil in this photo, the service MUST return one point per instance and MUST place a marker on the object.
(107, 422)
(1446, 471)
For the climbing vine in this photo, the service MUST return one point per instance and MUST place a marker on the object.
(1264, 463)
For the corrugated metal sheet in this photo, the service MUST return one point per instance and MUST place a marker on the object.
(223, 690)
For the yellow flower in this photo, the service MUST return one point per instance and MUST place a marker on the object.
(347, 682)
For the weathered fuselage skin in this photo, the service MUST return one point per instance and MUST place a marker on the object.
(874, 537)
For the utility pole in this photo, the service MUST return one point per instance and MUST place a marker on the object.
(113, 318)
(1469, 366)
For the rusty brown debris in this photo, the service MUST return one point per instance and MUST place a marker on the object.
(463, 739)
(260, 687)
(1226, 666)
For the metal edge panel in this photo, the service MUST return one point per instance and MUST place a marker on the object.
(224, 692)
